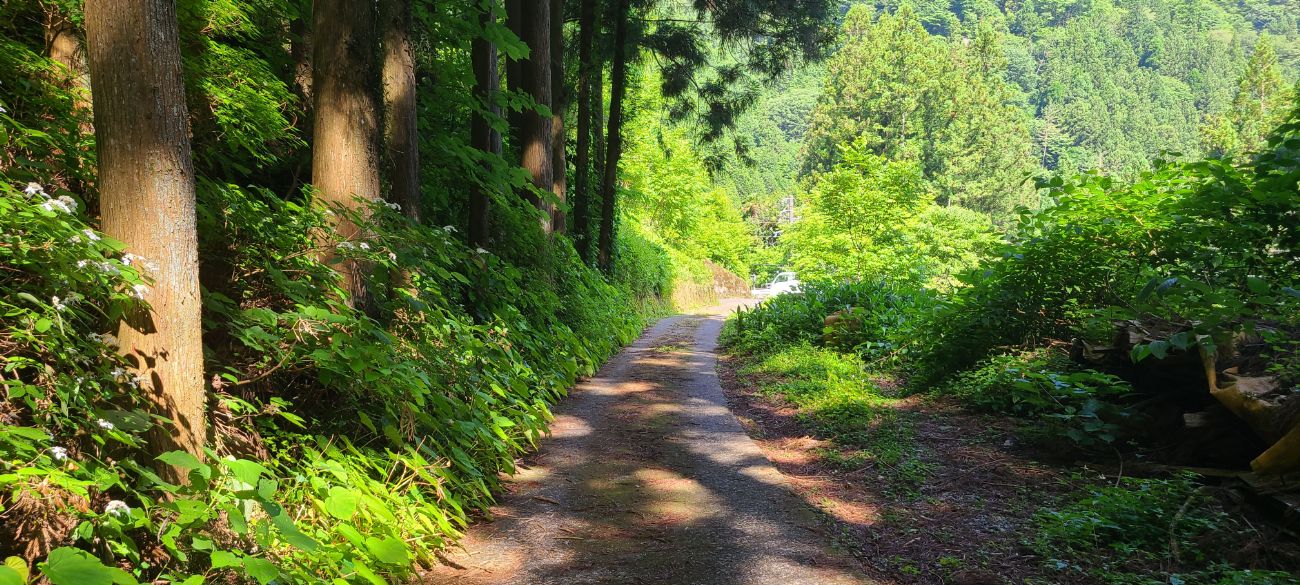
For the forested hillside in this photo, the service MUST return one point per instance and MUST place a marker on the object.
(981, 94)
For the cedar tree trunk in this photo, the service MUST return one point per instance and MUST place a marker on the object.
(147, 201)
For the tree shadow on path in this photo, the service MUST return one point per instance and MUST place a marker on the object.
(649, 478)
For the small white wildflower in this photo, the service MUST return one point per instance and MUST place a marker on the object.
(135, 381)
(364, 246)
(394, 206)
(60, 304)
(392, 257)
(481, 251)
(91, 235)
(3, 110)
(34, 189)
(74, 240)
(117, 508)
(83, 263)
(118, 372)
(63, 203)
(139, 291)
(58, 453)
(103, 424)
(451, 229)
(345, 245)
(131, 259)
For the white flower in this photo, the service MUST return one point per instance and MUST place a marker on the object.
(63, 203)
(392, 256)
(3, 110)
(117, 508)
(74, 240)
(91, 235)
(103, 424)
(345, 245)
(481, 251)
(393, 206)
(364, 246)
(59, 453)
(449, 228)
(33, 189)
(59, 304)
(118, 372)
(139, 291)
(83, 263)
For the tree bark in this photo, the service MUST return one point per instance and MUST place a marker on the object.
(146, 186)
(64, 47)
(401, 138)
(531, 21)
(345, 154)
(560, 101)
(582, 161)
(300, 49)
(615, 140)
(483, 54)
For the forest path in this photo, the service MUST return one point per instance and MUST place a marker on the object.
(649, 478)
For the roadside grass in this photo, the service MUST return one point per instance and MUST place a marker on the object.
(838, 401)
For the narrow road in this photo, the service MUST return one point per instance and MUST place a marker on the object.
(648, 478)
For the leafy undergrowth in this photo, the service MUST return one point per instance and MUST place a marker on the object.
(347, 445)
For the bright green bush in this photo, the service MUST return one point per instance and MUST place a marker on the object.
(880, 312)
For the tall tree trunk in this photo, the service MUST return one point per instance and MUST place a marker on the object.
(401, 139)
(531, 21)
(300, 49)
(560, 101)
(64, 47)
(345, 155)
(582, 162)
(146, 186)
(615, 140)
(483, 54)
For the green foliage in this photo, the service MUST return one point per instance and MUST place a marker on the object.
(1062, 401)
(1206, 246)
(1146, 531)
(668, 187)
(873, 219)
(879, 315)
(897, 91)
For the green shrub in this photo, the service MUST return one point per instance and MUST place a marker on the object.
(1041, 386)
(879, 312)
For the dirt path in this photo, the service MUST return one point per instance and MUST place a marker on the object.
(648, 478)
